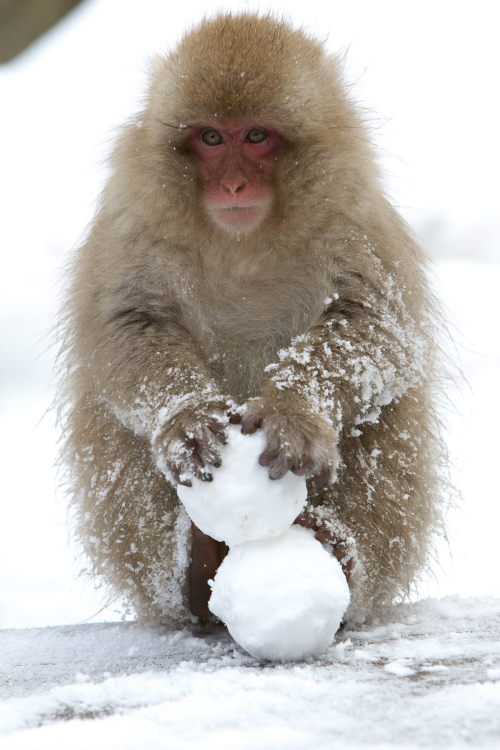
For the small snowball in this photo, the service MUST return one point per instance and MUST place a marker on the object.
(281, 599)
(242, 503)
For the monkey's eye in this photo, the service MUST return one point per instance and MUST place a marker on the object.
(256, 135)
(211, 137)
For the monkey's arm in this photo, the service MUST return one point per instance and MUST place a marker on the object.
(364, 353)
(149, 372)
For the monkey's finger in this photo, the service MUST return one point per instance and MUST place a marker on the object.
(206, 476)
(200, 470)
(299, 470)
(298, 467)
(268, 456)
(218, 431)
(208, 453)
(279, 467)
(178, 473)
(210, 457)
(209, 443)
(195, 467)
(303, 466)
(233, 412)
(251, 424)
(193, 458)
(192, 462)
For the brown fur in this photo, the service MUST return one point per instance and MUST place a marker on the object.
(170, 320)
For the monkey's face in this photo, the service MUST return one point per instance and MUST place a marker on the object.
(236, 161)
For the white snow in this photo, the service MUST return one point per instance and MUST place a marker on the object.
(429, 72)
(281, 595)
(282, 599)
(241, 503)
(130, 687)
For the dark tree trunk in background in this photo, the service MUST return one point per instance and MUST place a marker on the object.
(23, 21)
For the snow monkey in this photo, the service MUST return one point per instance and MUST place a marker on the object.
(245, 265)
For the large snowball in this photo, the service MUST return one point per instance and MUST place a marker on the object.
(242, 503)
(281, 599)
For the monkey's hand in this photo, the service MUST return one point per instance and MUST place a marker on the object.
(189, 443)
(297, 439)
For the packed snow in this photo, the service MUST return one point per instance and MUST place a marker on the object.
(242, 504)
(430, 676)
(282, 599)
(271, 566)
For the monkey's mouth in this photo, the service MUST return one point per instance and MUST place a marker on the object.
(238, 218)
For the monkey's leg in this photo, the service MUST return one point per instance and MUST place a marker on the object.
(131, 525)
(388, 495)
(206, 556)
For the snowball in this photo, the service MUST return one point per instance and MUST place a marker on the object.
(242, 503)
(281, 599)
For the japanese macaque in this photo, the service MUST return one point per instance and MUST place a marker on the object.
(244, 265)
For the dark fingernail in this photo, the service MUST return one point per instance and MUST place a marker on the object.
(217, 463)
(207, 478)
(186, 483)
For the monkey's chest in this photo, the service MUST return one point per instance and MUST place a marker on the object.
(241, 331)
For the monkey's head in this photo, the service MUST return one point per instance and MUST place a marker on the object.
(247, 124)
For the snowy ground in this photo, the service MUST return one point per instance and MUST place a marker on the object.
(429, 678)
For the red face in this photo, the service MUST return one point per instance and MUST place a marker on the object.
(237, 161)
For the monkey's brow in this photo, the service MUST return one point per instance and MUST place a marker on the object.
(180, 127)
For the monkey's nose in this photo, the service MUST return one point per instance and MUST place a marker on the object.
(234, 183)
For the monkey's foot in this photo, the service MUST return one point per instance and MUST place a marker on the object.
(342, 546)
(206, 556)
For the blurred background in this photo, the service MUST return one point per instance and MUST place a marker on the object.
(426, 76)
